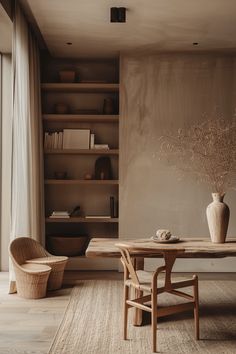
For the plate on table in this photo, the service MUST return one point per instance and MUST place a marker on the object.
(172, 239)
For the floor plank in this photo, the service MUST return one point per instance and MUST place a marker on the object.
(29, 326)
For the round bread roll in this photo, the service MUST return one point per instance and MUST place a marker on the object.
(163, 234)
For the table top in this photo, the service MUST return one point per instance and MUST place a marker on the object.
(187, 248)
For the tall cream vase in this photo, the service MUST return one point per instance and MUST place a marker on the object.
(218, 218)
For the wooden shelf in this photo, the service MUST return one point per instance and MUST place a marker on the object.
(82, 152)
(80, 118)
(81, 220)
(81, 181)
(80, 87)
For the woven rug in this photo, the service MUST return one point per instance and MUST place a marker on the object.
(93, 323)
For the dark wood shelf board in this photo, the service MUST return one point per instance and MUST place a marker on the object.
(81, 220)
(82, 152)
(80, 87)
(80, 181)
(80, 118)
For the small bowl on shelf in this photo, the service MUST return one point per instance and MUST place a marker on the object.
(67, 76)
(60, 175)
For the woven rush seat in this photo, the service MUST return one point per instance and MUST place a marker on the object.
(145, 281)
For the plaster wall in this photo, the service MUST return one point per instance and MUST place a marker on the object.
(159, 94)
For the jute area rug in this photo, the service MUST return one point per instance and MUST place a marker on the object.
(93, 323)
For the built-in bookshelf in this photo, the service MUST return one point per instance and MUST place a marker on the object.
(81, 181)
(80, 118)
(80, 87)
(75, 188)
(82, 152)
(82, 220)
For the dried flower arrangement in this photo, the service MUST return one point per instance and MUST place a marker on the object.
(206, 150)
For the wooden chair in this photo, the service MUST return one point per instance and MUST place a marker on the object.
(30, 254)
(141, 281)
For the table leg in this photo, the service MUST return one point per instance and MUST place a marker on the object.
(138, 314)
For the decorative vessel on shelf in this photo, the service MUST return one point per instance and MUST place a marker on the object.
(67, 76)
(108, 106)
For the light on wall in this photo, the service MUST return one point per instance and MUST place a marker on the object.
(118, 14)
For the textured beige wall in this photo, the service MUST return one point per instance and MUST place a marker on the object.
(160, 93)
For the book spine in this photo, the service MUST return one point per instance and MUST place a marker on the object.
(49, 144)
(46, 136)
(112, 207)
(92, 140)
(60, 140)
(55, 145)
(116, 209)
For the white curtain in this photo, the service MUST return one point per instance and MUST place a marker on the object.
(27, 208)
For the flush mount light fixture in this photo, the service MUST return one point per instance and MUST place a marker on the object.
(118, 14)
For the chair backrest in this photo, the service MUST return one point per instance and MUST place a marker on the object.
(127, 262)
(24, 248)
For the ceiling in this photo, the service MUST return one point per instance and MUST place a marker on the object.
(5, 31)
(160, 25)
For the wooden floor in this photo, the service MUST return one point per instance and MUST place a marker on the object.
(29, 326)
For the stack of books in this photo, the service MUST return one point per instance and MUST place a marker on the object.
(53, 140)
(60, 215)
(72, 139)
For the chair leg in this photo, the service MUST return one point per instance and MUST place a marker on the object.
(126, 294)
(154, 321)
(196, 308)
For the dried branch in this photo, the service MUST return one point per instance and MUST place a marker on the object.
(206, 150)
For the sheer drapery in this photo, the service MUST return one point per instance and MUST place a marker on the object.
(27, 211)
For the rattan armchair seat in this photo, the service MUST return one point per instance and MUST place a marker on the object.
(36, 270)
(57, 264)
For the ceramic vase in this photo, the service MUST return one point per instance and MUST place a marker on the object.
(218, 218)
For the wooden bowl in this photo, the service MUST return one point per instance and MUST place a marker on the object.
(67, 245)
(67, 76)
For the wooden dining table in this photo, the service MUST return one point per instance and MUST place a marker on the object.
(147, 248)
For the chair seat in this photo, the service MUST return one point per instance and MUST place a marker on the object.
(145, 280)
(36, 268)
(47, 260)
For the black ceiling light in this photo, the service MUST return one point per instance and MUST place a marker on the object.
(118, 14)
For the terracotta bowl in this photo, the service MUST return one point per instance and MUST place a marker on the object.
(67, 76)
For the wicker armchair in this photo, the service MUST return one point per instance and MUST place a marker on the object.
(28, 255)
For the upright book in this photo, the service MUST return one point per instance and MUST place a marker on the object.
(76, 138)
